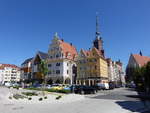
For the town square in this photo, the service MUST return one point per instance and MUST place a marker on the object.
(74, 56)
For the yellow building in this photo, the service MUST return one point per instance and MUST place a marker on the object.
(91, 67)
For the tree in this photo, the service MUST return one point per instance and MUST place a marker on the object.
(141, 77)
(138, 78)
(147, 77)
(43, 69)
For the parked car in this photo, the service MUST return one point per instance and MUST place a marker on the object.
(103, 86)
(57, 87)
(37, 85)
(15, 85)
(8, 84)
(82, 89)
(131, 85)
(97, 87)
(48, 86)
(111, 85)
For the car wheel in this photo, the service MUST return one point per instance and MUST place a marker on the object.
(82, 92)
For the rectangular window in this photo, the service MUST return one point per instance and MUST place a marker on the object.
(57, 64)
(49, 72)
(67, 71)
(57, 71)
(49, 65)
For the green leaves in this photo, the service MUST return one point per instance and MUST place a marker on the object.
(43, 67)
(142, 76)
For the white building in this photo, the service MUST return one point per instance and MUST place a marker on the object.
(9, 73)
(111, 72)
(115, 72)
(61, 61)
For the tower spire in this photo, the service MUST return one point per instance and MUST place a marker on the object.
(56, 36)
(140, 53)
(97, 25)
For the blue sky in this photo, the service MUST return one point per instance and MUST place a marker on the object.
(27, 26)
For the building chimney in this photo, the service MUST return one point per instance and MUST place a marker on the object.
(71, 44)
(62, 40)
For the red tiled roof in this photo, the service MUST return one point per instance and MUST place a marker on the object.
(86, 53)
(68, 49)
(89, 52)
(141, 60)
(2, 66)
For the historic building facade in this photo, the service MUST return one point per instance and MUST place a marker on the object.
(91, 64)
(135, 61)
(111, 70)
(35, 73)
(9, 73)
(26, 67)
(61, 61)
(115, 72)
(91, 68)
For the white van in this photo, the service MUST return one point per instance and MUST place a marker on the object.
(103, 85)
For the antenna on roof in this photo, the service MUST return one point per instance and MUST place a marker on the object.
(97, 25)
(56, 35)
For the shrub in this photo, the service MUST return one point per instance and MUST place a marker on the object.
(57, 98)
(30, 98)
(30, 93)
(45, 97)
(10, 97)
(52, 90)
(18, 96)
(58, 91)
(64, 91)
(33, 88)
(40, 99)
(16, 87)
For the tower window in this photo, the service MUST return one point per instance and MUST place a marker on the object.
(67, 71)
(57, 71)
(57, 64)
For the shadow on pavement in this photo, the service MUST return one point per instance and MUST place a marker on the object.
(133, 106)
(137, 106)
